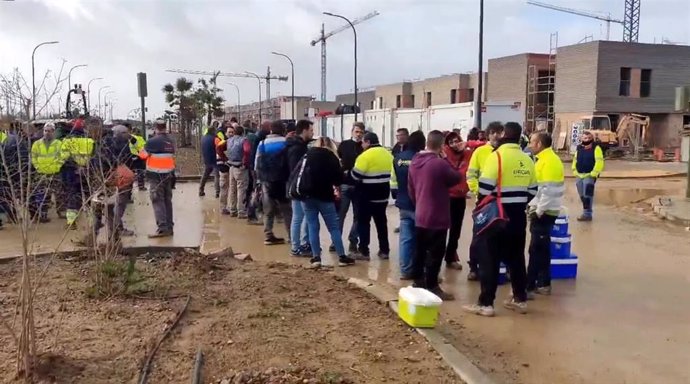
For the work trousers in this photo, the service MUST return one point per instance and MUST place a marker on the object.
(47, 188)
(224, 188)
(426, 262)
(208, 170)
(506, 245)
(539, 270)
(121, 201)
(585, 188)
(272, 207)
(239, 180)
(348, 197)
(367, 212)
(160, 187)
(457, 213)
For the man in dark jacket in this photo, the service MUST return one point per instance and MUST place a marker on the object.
(208, 153)
(254, 137)
(296, 149)
(430, 179)
(402, 135)
(348, 150)
(401, 166)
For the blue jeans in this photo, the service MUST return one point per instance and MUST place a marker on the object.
(298, 225)
(408, 243)
(347, 197)
(585, 188)
(312, 209)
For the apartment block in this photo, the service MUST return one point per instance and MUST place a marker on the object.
(610, 78)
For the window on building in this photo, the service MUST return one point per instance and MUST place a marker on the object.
(412, 101)
(398, 101)
(645, 82)
(470, 94)
(428, 99)
(371, 105)
(453, 96)
(624, 87)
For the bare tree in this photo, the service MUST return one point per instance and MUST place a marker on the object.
(17, 93)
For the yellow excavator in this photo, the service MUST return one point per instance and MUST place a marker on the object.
(630, 135)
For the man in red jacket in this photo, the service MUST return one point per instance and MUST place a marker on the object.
(458, 154)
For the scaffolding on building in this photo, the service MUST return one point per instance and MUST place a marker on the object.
(541, 87)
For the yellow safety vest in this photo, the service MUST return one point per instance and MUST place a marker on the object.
(46, 158)
(477, 160)
(518, 178)
(551, 183)
(77, 149)
(373, 169)
(3, 137)
(137, 146)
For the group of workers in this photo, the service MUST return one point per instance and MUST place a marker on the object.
(283, 171)
(90, 167)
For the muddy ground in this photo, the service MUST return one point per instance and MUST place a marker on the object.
(259, 323)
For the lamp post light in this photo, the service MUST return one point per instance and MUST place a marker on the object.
(239, 112)
(258, 78)
(355, 33)
(33, 77)
(88, 90)
(105, 103)
(292, 78)
(69, 74)
(99, 98)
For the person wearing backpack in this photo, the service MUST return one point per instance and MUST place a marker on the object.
(296, 149)
(238, 152)
(320, 177)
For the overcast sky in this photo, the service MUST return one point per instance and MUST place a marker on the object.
(410, 39)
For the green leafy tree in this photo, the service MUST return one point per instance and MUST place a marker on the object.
(181, 96)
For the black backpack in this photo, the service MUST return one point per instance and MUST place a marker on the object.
(300, 184)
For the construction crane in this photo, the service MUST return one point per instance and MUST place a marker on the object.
(322, 38)
(630, 23)
(268, 77)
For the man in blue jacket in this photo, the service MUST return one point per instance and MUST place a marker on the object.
(401, 166)
(208, 153)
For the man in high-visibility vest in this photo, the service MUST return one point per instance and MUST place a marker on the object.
(588, 163)
(76, 151)
(45, 157)
(136, 144)
(543, 211)
(508, 170)
(494, 131)
(159, 153)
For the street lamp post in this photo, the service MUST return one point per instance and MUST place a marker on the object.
(99, 98)
(480, 70)
(33, 76)
(355, 32)
(292, 78)
(69, 75)
(88, 90)
(105, 104)
(259, 79)
(239, 112)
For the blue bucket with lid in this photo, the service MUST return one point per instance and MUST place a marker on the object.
(560, 227)
(560, 247)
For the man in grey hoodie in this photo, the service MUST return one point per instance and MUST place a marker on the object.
(430, 178)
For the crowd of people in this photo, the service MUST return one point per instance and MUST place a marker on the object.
(282, 172)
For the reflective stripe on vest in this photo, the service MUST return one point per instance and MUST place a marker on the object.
(79, 149)
(160, 162)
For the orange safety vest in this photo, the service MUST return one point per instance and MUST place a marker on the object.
(158, 162)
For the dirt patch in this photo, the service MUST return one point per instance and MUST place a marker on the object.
(254, 323)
